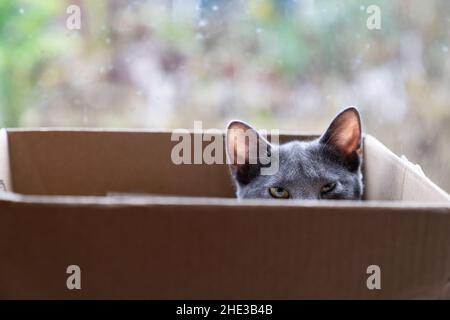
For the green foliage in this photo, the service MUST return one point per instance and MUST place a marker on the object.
(23, 46)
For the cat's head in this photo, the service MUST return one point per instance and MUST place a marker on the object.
(326, 168)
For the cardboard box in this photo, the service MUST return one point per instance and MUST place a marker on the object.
(188, 238)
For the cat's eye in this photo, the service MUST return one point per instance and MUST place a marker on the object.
(279, 193)
(327, 188)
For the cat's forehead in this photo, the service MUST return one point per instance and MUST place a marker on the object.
(295, 151)
(305, 158)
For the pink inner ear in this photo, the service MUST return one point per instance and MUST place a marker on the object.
(348, 135)
(237, 144)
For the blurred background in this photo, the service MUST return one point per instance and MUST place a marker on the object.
(284, 64)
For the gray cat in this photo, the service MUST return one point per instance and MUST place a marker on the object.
(326, 168)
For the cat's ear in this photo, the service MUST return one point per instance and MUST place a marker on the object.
(345, 135)
(246, 149)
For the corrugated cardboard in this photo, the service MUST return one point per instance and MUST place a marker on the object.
(186, 237)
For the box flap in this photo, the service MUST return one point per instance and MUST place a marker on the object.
(389, 177)
(5, 170)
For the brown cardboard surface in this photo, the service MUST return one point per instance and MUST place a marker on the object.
(207, 245)
(223, 251)
(88, 163)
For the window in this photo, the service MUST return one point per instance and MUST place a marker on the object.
(286, 64)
